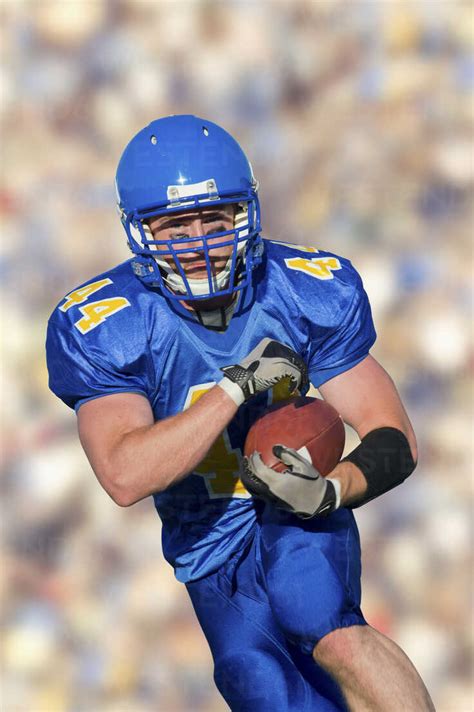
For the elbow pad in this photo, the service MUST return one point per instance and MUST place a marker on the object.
(384, 458)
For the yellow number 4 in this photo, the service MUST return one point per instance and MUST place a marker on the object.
(83, 293)
(319, 267)
(96, 313)
(220, 467)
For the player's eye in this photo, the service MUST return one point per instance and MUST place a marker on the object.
(219, 227)
(179, 236)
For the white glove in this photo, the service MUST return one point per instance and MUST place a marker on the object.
(299, 489)
(269, 363)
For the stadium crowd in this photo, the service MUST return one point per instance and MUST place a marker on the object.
(357, 118)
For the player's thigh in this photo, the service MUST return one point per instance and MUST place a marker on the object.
(312, 573)
(254, 669)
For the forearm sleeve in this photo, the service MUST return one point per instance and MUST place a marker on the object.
(384, 457)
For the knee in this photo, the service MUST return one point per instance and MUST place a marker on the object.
(339, 650)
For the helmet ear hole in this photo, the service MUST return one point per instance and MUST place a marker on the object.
(205, 131)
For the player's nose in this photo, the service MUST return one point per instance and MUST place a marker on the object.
(194, 231)
(197, 228)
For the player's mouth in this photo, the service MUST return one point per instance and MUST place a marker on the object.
(200, 268)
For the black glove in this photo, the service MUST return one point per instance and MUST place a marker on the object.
(299, 489)
(269, 363)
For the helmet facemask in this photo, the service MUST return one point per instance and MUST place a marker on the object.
(165, 263)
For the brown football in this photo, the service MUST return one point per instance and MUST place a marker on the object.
(300, 422)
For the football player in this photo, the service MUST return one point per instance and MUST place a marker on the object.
(170, 357)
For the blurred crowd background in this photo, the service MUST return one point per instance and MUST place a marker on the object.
(357, 117)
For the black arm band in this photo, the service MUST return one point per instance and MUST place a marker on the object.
(384, 458)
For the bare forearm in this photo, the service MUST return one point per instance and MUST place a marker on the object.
(352, 481)
(151, 458)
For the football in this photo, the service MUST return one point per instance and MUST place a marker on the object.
(309, 425)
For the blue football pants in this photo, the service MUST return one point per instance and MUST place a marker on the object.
(264, 611)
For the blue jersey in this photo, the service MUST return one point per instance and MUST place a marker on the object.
(116, 335)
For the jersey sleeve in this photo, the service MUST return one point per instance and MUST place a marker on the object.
(347, 343)
(81, 369)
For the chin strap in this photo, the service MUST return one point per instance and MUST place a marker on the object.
(198, 287)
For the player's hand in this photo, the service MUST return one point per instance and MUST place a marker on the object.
(299, 489)
(269, 363)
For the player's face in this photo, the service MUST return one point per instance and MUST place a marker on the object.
(187, 227)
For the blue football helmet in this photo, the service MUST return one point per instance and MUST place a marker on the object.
(176, 164)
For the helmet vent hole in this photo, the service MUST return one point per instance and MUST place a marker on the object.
(205, 131)
(154, 140)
